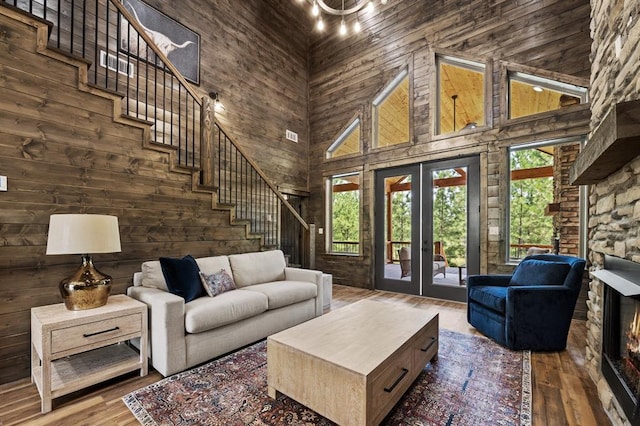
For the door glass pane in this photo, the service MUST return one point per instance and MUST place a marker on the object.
(397, 227)
(449, 226)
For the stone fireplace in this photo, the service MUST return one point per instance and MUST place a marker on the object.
(610, 164)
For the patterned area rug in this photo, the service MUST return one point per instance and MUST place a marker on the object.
(474, 382)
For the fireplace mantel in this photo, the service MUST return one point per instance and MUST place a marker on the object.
(613, 144)
(618, 282)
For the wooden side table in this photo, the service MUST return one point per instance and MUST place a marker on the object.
(71, 350)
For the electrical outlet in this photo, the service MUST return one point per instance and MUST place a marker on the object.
(3, 183)
(292, 136)
(320, 231)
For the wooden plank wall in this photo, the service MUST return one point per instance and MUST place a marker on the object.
(63, 153)
(549, 38)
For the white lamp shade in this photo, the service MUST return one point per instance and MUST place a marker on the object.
(83, 234)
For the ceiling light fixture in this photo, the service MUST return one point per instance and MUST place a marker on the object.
(320, 7)
(538, 89)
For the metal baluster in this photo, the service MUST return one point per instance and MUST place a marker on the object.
(106, 59)
(72, 24)
(84, 27)
(146, 84)
(193, 129)
(170, 113)
(137, 75)
(136, 70)
(179, 123)
(155, 103)
(97, 51)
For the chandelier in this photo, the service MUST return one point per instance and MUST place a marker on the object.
(320, 7)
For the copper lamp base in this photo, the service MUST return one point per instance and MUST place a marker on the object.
(87, 288)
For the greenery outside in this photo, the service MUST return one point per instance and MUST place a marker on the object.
(345, 217)
(450, 217)
(528, 224)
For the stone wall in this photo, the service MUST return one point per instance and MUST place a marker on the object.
(566, 222)
(614, 203)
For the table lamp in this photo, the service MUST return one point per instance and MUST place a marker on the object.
(84, 234)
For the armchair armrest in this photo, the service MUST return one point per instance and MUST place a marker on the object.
(536, 314)
(309, 275)
(166, 323)
(494, 280)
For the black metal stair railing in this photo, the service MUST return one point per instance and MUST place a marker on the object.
(241, 184)
(122, 61)
(125, 60)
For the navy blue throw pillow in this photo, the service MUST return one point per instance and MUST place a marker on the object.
(182, 277)
(540, 272)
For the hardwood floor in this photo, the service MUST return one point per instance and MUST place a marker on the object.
(563, 393)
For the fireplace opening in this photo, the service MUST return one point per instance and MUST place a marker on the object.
(621, 335)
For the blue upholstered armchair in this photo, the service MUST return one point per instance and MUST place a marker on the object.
(531, 309)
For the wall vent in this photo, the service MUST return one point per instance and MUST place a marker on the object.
(123, 66)
(292, 136)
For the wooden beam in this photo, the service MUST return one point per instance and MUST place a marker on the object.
(344, 187)
(534, 173)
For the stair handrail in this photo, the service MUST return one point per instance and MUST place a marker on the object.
(198, 99)
(258, 170)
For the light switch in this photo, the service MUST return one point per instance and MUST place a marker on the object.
(320, 231)
(3, 183)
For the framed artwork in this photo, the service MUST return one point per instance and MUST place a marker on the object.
(180, 44)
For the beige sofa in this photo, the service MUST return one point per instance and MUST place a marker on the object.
(269, 297)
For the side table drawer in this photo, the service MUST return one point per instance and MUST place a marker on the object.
(94, 332)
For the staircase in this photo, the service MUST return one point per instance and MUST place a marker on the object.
(122, 61)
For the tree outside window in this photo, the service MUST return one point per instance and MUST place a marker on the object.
(344, 228)
(531, 192)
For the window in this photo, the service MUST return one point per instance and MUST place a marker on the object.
(343, 236)
(544, 208)
(529, 94)
(348, 142)
(461, 95)
(391, 113)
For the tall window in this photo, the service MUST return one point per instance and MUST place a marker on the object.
(343, 236)
(544, 208)
(531, 193)
(461, 94)
(348, 142)
(530, 94)
(391, 113)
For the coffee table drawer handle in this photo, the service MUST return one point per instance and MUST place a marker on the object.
(101, 332)
(433, 340)
(404, 373)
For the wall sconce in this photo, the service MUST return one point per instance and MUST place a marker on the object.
(84, 234)
(217, 105)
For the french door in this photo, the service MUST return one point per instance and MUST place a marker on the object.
(427, 227)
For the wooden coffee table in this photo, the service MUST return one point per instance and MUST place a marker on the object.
(353, 364)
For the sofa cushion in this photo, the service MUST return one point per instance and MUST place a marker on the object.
(284, 293)
(217, 283)
(207, 313)
(182, 277)
(540, 272)
(212, 264)
(152, 275)
(493, 297)
(257, 268)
